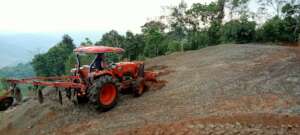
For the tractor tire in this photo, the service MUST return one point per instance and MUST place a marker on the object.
(105, 93)
(5, 103)
(139, 87)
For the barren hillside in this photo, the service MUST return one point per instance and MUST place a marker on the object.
(225, 89)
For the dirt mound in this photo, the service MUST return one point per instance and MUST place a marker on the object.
(246, 83)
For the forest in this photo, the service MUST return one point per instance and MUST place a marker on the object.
(188, 28)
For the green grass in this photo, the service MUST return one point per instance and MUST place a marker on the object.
(1, 92)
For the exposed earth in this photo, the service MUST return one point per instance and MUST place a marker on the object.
(225, 89)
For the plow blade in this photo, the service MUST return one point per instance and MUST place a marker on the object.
(40, 96)
(60, 97)
(64, 82)
(150, 76)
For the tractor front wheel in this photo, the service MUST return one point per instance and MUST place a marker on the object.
(106, 93)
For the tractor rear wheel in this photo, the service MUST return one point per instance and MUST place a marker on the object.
(105, 93)
(5, 103)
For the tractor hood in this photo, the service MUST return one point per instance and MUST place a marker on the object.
(98, 49)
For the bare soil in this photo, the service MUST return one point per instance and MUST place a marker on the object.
(225, 89)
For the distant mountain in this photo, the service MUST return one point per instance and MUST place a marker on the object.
(18, 48)
(18, 71)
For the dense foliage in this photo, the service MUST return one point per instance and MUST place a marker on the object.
(185, 28)
(285, 28)
(20, 70)
(53, 62)
(238, 31)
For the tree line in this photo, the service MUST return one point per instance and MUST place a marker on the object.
(187, 28)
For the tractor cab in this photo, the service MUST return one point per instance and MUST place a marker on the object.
(104, 80)
(99, 62)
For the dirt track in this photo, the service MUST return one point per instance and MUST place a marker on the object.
(258, 85)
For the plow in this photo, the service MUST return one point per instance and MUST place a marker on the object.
(98, 83)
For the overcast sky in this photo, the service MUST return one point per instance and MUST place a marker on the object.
(80, 15)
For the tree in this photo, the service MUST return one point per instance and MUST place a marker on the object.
(40, 65)
(221, 11)
(291, 13)
(86, 42)
(134, 46)
(177, 21)
(112, 38)
(202, 13)
(199, 17)
(272, 6)
(238, 31)
(153, 33)
(284, 28)
(53, 62)
(238, 8)
(273, 30)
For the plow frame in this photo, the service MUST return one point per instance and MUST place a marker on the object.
(68, 83)
(40, 81)
(73, 85)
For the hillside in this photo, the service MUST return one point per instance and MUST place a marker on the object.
(225, 89)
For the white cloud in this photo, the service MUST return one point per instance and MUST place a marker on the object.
(79, 15)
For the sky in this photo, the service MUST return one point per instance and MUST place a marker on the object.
(80, 15)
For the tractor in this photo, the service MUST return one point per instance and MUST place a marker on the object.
(98, 83)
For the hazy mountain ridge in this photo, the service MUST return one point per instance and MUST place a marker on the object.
(18, 71)
(21, 47)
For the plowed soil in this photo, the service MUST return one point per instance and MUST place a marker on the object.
(225, 89)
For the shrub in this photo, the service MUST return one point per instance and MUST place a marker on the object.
(197, 40)
(238, 31)
(276, 29)
(173, 46)
(272, 30)
(214, 33)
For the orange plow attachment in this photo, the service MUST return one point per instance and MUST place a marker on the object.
(150, 76)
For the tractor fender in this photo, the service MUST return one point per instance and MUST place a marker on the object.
(98, 74)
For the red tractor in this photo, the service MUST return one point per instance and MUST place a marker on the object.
(98, 83)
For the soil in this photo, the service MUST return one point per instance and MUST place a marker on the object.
(225, 89)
